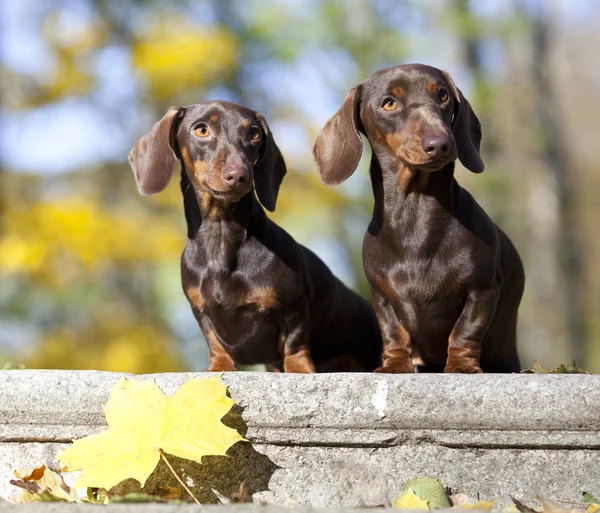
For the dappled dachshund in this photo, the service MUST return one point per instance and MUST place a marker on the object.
(258, 296)
(446, 281)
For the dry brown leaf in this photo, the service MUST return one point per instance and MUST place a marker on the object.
(30, 474)
(41, 480)
(523, 508)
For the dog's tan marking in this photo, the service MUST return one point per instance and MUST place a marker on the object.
(195, 298)
(185, 155)
(265, 298)
(299, 361)
(431, 87)
(212, 208)
(213, 118)
(463, 355)
(220, 361)
(395, 140)
(398, 91)
(200, 167)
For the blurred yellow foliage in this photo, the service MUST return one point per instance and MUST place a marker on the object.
(77, 234)
(115, 344)
(71, 73)
(175, 56)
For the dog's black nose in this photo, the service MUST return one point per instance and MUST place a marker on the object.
(436, 145)
(235, 175)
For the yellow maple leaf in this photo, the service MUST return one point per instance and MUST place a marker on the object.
(410, 500)
(593, 508)
(142, 421)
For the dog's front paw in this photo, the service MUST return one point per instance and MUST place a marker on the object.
(221, 365)
(462, 367)
(299, 362)
(396, 367)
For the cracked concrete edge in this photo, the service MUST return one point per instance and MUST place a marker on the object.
(336, 437)
(348, 409)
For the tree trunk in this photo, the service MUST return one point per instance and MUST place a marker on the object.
(554, 155)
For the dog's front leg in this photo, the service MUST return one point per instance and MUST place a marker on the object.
(464, 343)
(293, 341)
(397, 344)
(220, 361)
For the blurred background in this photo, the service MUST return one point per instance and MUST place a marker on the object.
(89, 270)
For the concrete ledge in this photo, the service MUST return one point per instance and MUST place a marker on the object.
(349, 439)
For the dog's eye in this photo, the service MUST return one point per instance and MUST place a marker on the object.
(389, 104)
(443, 96)
(202, 131)
(254, 134)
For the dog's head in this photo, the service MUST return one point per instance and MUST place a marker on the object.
(225, 149)
(411, 114)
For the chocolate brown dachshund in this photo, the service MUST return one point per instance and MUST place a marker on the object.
(258, 296)
(446, 281)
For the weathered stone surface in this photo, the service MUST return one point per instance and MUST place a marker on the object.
(345, 439)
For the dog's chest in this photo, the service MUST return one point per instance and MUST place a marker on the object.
(219, 292)
(420, 279)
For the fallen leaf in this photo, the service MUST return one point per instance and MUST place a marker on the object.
(590, 499)
(31, 487)
(409, 500)
(479, 505)
(45, 483)
(594, 504)
(142, 421)
(428, 489)
(462, 501)
(522, 507)
(458, 499)
(551, 508)
(30, 474)
(561, 369)
(136, 498)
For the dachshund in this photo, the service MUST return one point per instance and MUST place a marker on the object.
(446, 281)
(258, 296)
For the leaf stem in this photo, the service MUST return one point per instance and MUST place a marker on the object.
(162, 455)
(565, 502)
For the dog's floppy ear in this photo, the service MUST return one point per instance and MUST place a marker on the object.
(338, 147)
(152, 158)
(466, 129)
(270, 168)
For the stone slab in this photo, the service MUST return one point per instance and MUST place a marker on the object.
(369, 409)
(345, 439)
